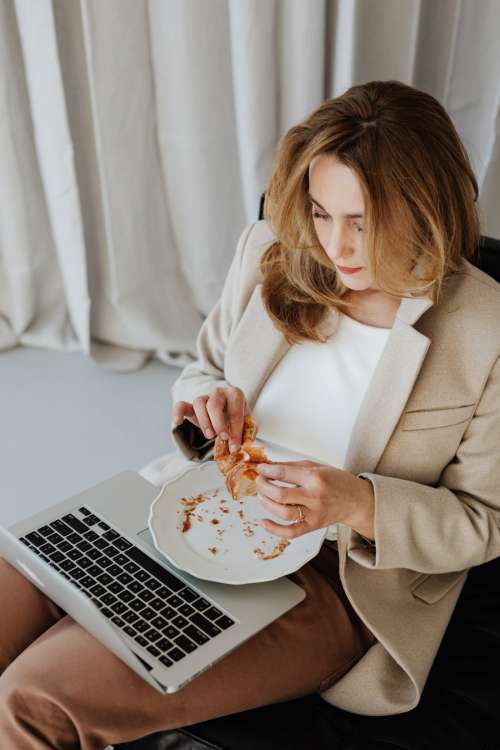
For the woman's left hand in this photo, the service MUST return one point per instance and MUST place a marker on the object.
(324, 495)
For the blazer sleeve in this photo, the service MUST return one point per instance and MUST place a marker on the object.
(207, 371)
(450, 527)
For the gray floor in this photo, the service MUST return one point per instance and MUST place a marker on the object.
(67, 424)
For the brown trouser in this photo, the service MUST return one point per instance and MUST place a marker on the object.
(61, 688)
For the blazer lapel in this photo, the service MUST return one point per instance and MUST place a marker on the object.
(257, 347)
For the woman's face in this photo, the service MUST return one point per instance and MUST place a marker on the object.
(337, 208)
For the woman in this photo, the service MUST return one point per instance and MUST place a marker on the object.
(355, 331)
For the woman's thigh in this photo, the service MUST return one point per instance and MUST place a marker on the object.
(25, 613)
(72, 689)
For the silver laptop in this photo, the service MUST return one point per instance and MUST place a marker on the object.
(93, 555)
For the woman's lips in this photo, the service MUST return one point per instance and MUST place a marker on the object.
(349, 270)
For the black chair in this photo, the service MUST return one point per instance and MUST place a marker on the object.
(460, 706)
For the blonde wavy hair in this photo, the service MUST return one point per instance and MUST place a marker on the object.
(420, 194)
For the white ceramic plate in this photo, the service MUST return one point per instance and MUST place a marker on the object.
(222, 540)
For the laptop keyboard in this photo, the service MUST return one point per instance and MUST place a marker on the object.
(147, 602)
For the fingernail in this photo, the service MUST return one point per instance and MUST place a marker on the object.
(224, 436)
(233, 447)
(209, 433)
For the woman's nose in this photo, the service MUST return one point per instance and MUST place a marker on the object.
(338, 246)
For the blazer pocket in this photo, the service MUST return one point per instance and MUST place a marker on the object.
(431, 587)
(425, 419)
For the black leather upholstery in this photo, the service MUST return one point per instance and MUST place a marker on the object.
(460, 706)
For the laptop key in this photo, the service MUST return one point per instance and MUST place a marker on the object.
(98, 590)
(153, 650)
(135, 586)
(110, 535)
(104, 562)
(64, 546)
(74, 554)
(125, 596)
(109, 599)
(116, 587)
(121, 543)
(141, 626)
(130, 617)
(66, 564)
(35, 538)
(125, 578)
(131, 567)
(114, 570)
(117, 620)
(187, 645)
(164, 644)
(74, 538)
(174, 601)
(84, 511)
(121, 559)
(44, 530)
(87, 581)
(213, 613)
(188, 595)
(201, 604)
(168, 612)
(153, 584)
(104, 579)
(141, 640)
(208, 627)
(146, 595)
(156, 604)
(224, 622)
(84, 562)
(57, 556)
(129, 630)
(54, 537)
(100, 543)
(47, 547)
(176, 654)
(137, 605)
(180, 622)
(91, 536)
(163, 592)
(91, 520)
(166, 661)
(170, 631)
(61, 528)
(152, 635)
(75, 524)
(148, 613)
(197, 636)
(186, 610)
(93, 553)
(159, 622)
(103, 526)
(119, 607)
(94, 570)
(78, 573)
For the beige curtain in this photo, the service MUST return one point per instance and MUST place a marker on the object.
(136, 138)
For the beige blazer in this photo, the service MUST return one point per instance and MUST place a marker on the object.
(428, 438)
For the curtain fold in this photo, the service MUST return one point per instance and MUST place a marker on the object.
(136, 137)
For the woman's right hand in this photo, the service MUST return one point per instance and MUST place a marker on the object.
(220, 413)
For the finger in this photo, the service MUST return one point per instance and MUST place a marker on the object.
(284, 495)
(200, 409)
(183, 410)
(294, 472)
(285, 512)
(236, 403)
(216, 406)
(286, 532)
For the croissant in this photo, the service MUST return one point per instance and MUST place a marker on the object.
(239, 469)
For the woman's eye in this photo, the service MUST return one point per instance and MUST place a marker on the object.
(360, 229)
(317, 215)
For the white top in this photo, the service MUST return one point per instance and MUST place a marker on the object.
(308, 405)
